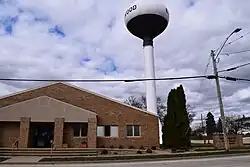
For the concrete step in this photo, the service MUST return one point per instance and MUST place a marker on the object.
(48, 152)
(64, 151)
(48, 149)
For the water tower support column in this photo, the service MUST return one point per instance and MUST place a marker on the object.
(150, 74)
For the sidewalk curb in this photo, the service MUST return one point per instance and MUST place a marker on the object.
(123, 161)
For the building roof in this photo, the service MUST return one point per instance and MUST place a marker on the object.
(80, 89)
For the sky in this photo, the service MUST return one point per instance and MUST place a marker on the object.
(87, 39)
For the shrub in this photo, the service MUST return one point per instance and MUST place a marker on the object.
(104, 151)
(121, 147)
(142, 148)
(139, 152)
(153, 148)
(131, 147)
(149, 151)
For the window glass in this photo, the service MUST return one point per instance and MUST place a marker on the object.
(76, 129)
(114, 131)
(129, 130)
(100, 131)
(137, 130)
(84, 129)
(107, 130)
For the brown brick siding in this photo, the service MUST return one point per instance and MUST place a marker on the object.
(9, 132)
(108, 112)
(77, 141)
(68, 135)
(24, 132)
(92, 125)
(218, 141)
(58, 132)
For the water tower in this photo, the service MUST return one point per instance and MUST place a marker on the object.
(146, 19)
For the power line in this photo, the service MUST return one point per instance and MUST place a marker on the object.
(234, 79)
(243, 51)
(234, 68)
(102, 80)
(243, 79)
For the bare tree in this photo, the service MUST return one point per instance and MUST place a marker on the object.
(141, 102)
(133, 101)
(191, 113)
(234, 124)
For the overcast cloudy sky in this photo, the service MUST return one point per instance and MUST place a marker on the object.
(87, 39)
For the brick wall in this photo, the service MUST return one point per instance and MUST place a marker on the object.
(92, 125)
(24, 132)
(68, 135)
(9, 133)
(78, 140)
(58, 132)
(233, 140)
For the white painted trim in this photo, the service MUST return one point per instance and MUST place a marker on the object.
(82, 89)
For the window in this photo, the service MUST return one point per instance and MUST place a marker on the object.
(114, 131)
(107, 131)
(80, 130)
(133, 130)
(100, 131)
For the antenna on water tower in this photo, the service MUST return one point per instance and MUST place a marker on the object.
(146, 19)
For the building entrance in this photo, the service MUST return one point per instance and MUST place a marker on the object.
(42, 135)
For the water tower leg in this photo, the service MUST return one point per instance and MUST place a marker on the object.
(150, 74)
(150, 85)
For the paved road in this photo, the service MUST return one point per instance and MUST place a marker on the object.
(239, 161)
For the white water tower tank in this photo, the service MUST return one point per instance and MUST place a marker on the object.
(146, 18)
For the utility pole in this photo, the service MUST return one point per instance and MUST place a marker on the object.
(203, 128)
(202, 125)
(220, 101)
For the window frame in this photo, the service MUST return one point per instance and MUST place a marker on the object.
(80, 130)
(110, 131)
(133, 130)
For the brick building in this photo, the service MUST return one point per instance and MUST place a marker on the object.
(70, 116)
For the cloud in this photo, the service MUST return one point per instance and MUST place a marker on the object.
(87, 39)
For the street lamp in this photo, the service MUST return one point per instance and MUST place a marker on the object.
(235, 31)
(218, 88)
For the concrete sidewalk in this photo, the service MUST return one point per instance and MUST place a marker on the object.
(23, 159)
